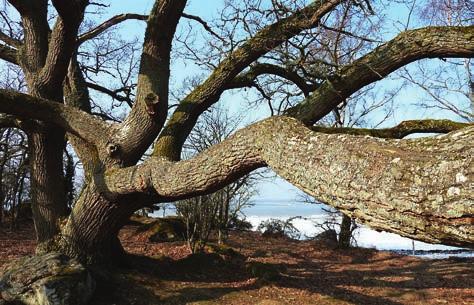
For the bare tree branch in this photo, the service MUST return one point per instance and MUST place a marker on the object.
(73, 120)
(8, 54)
(341, 31)
(204, 25)
(247, 79)
(400, 131)
(108, 24)
(112, 93)
(10, 41)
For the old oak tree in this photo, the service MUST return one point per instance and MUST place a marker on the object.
(419, 188)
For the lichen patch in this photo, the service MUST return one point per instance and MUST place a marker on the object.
(454, 191)
(460, 178)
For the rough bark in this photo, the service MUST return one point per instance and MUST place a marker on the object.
(419, 188)
(150, 110)
(90, 232)
(47, 184)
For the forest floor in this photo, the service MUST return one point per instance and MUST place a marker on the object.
(269, 271)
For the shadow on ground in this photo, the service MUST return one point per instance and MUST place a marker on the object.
(357, 276)
(269, 271)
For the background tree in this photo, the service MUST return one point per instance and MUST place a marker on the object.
(14, 174)
(203, 214)
(13, 177)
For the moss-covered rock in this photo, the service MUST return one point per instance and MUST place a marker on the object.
(198, 262)
(166, 229)
(327, 238)
(228, 254)
(263, 271)
(50, 279)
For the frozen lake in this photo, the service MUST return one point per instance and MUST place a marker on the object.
(312, 214)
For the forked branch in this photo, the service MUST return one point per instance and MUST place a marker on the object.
(203, 96)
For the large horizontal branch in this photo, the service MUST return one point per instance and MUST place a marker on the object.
(431, 42)
(73, 120)
(202, 97)
(400, 131)
(419, 188)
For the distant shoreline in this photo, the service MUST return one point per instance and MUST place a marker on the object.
(469, 252)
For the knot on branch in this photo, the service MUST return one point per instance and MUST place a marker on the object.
(113, 149)
(152, 101)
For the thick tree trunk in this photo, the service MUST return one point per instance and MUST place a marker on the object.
(90, 232)
(47, 181)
